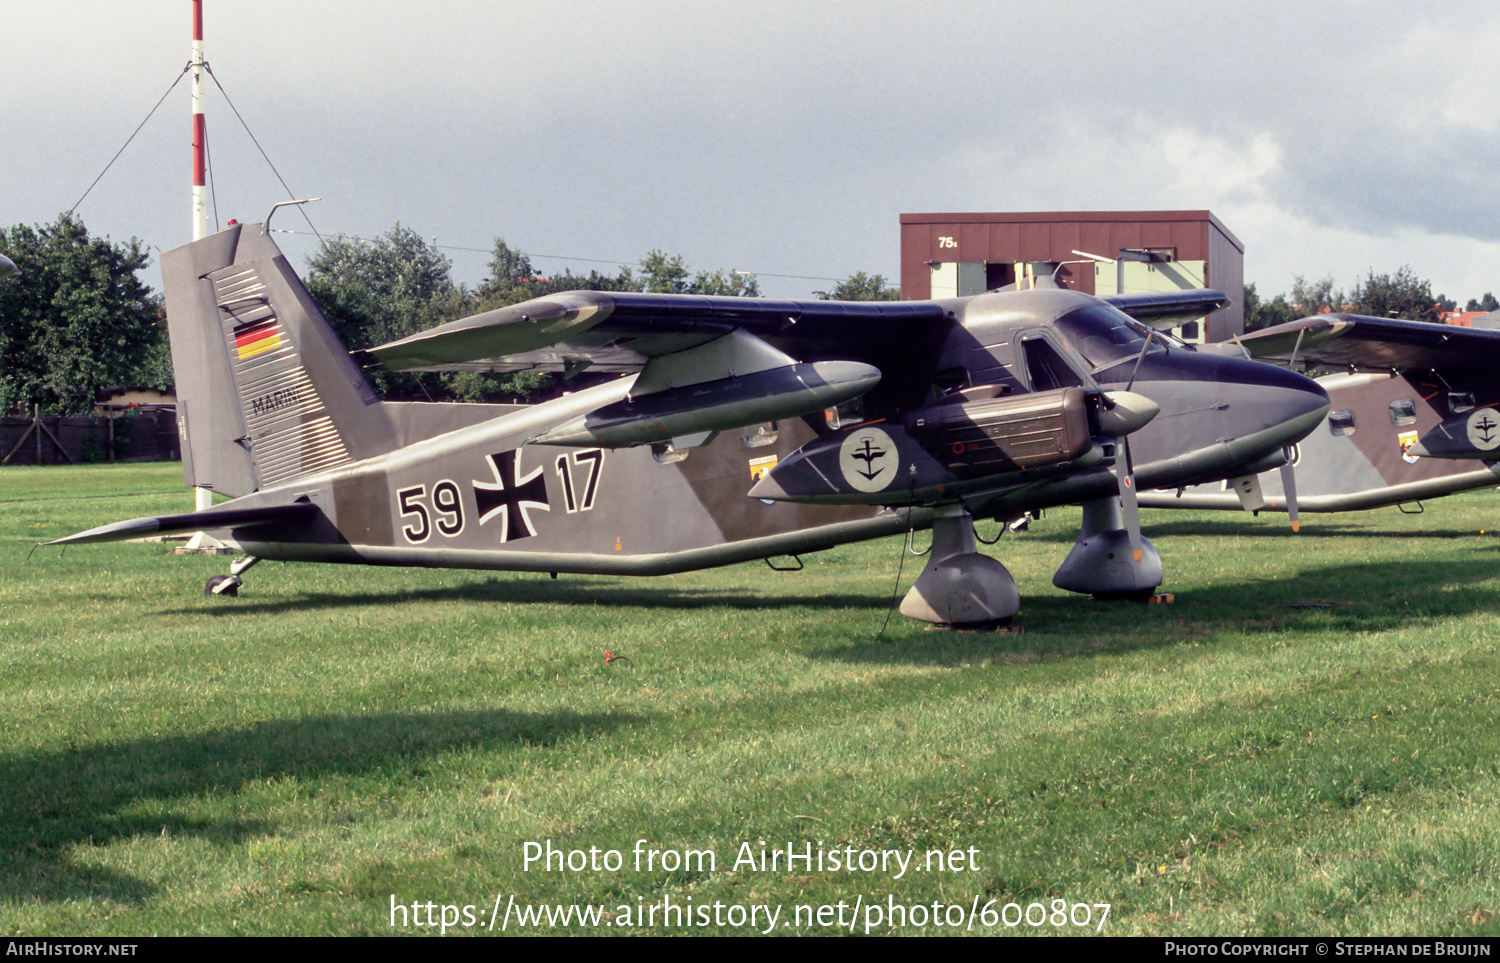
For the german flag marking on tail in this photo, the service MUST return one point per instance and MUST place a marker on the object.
(257, 337)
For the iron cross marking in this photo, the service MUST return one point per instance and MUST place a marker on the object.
(510, 496)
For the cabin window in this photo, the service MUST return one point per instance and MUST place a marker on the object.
(950, 379)
(1403, 412)
(1460, 402)
(1341, 422)
(1047, 368)
(848, 413)
(1106, 336)
(665, 454)
(758, 436)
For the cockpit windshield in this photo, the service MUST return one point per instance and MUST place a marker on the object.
(1105, 335)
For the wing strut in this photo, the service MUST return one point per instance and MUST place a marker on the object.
(1125, 472)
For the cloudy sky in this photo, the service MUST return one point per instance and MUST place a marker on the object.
(781, 138)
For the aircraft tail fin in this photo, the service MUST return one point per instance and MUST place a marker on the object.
(266, 392)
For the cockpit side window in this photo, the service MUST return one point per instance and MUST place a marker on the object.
(1047, 368)
(1106, 336)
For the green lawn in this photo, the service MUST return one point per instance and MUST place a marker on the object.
(339, 738)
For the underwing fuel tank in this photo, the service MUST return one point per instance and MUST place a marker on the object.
(786, 392)
(945, 450)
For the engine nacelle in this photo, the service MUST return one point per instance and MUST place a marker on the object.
(944, 451)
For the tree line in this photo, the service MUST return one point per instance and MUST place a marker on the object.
(1398, 294)
(76, 318)
(79, 318)
(396, 285)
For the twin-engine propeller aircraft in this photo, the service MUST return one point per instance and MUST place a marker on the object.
(747, 429)
(1414, 414)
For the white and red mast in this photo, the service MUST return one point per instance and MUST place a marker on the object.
(200, 182)
(203, 497)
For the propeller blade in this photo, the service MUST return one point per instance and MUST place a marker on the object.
(1289, 488)
(1125, 481)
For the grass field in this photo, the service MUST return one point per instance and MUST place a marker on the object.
(338, 738)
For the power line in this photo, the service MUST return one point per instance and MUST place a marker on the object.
(301, 208)
(213, 187)
(129, 139)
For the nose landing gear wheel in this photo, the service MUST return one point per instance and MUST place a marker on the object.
(223, 585)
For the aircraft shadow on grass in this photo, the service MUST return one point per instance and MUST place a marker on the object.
(51, 802)
(542, 591)
(1231, 527)
(1318, 528)
(1333, 601)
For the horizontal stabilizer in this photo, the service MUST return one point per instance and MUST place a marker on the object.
(213, 518)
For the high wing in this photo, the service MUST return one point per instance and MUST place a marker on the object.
(1165, 309)
(624, 330)
(753, 359)
(620, 331)
(1355, 341)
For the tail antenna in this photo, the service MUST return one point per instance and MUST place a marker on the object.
(266, 227)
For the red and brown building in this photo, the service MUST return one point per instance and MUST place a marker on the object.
(953, 255)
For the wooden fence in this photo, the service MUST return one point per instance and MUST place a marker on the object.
(125, 435)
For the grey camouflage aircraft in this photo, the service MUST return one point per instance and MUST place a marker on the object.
(1414, 414)
(740, 429)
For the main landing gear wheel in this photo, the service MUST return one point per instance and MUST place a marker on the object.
(1101, 563)
(960, 587)
(223, 585)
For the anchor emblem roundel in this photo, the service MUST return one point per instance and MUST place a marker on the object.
(867, 460)
(1484, 429)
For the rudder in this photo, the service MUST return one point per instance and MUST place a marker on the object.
(266, 391)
